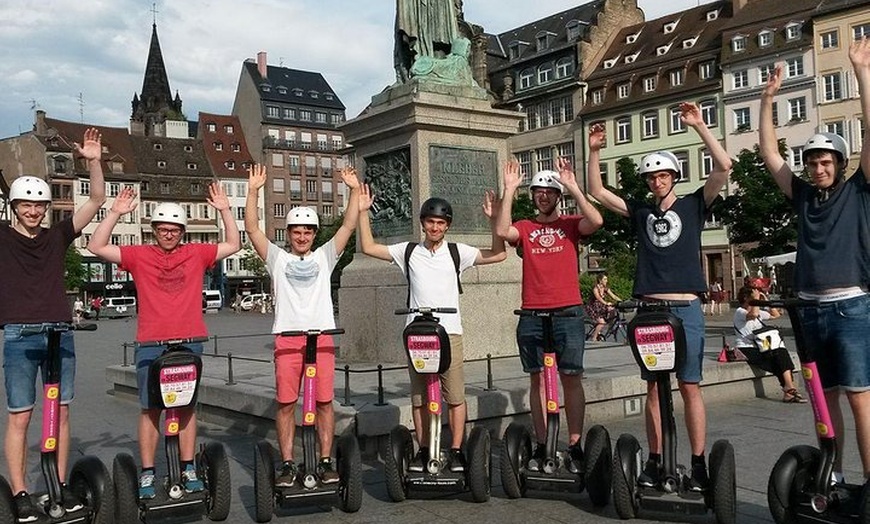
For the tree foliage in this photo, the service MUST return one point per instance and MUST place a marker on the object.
(757, 211)
(252, 262)
(617, 236)
(327, 231)
(75, 272)
(523, 207)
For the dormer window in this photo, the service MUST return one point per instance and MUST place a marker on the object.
(188, 149)
(610, 63)
(228, 129)
(313, 94)
(792, 31)
(598, 97)
(218, 146)
(765, 38)
(514, 50)
(265, 88)
(623, 90)
(191, 166)
(712, 15)
(282, 90)
(631, 58)
(670, 27)
(630, 39)
(662, 49)
(297, 92)
(738, 43)
(230, 165)
(689, 42)
(161, 164)
(158, 147)
(649, 84)
(236, 147)
(328, 96)
(676, 77)
(211, 127)
(573, 28)
(542, 40)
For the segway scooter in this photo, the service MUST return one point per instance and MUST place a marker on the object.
(557, 472)
(800, 487)
(89, 479)
(308, 490)
(428, 347)
(173, 384)
(658, 343)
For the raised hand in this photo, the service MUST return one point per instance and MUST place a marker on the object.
(491, 204)
(566, 172)
(256, 177)
(690, 114)
(124, 202)
(774, 81)
(366, 199)
(349, 177)
(217, 198)
(859, 53)
(511, 175)
(93, 147)
(597, 137)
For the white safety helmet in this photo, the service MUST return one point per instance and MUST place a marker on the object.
(828, 142)
(169, 213)
(546, 179)
(302, 216)
(661, 161)
(29, 188)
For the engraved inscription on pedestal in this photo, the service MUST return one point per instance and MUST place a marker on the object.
(462, 176)
(389, 176)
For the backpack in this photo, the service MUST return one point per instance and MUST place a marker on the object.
(454, 254)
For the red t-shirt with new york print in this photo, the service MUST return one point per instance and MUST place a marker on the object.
(550, 266)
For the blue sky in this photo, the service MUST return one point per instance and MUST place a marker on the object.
(53, 51)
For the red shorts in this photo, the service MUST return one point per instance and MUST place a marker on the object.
(289, 355)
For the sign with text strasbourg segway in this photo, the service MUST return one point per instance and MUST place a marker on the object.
(657, 346)
(425, 352)
(177, 385)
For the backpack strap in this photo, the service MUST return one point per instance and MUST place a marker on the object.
(454, 254)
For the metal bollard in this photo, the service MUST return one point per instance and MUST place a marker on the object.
(230, 380)
(126, 361)
(215, 345)
(489, 386)
(381, 386)
(347, 401)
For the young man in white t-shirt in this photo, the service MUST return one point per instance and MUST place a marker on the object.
(301, 287)
(433, 283)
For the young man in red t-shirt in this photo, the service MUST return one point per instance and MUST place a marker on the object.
(551, 281)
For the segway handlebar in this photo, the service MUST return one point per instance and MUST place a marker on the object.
(642, 303)
(425, 310)
(174, 341)
(545, 313)
(312, 332)
(35, 329)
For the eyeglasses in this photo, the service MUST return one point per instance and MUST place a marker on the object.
(655, 177)
(168, 231)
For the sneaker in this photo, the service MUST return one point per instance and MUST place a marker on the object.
(146, 485)
(419, 461)
(326, 470)
(699, 481)
(575, 460)
(70, 501)
(649, 477)
(538, 457)
(24, 508)
(455, 461)
(192, 483)
(287, 475)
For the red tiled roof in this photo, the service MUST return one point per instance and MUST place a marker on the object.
(218, 160)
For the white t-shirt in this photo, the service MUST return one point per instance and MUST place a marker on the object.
(433, 279)
(301, 288)
(744, 328)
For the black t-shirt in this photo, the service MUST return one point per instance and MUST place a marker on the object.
(833, 236)
(669, 245)
(32, 286)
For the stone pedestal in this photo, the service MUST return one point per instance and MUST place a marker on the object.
(415, 141)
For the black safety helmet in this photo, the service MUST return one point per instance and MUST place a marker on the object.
(437, 207)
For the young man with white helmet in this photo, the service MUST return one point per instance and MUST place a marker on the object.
(833, 255)
(433, 281)
(302, 291)
(551, 281)
(166, 272)
(32, 291)
(669, 268)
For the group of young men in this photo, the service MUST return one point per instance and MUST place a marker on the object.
(833, 267)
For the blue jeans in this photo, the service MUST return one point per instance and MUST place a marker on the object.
(569, 337)
(23, 355)
(838, 336)
(145, 355)
(693, 324)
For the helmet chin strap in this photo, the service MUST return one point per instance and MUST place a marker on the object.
(822, 195)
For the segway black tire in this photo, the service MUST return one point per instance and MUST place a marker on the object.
(792, 475)
(126, 480)
(626, 459)
(350, 474)
(598, 468)
(215, 468)
(264, 482)
(400, 451)
(479, 464)
(515, 453)
(864, 508)
(89, 480)
(7, 502)
(723, 473)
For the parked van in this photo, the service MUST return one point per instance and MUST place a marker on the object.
(212, 299)
(117, 307)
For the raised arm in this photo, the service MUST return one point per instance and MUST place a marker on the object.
(366, 239)
(91, 151)
(232, 241)
(768, 144)
(592, 219)
(351, 214)
(256, 180)
(859, 54)
(511, 178)
(691, 116)
(99, 244)
(609, 199)
(491, 207)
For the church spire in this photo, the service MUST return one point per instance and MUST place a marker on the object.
(155, 104)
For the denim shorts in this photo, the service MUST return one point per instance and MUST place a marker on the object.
(24, 355)
(569, 337)
(838, 336)
(693, 324)
(145, 355)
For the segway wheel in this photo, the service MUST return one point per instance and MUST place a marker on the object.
(350, 474)
(264, 481)
(7, 504)
(792, 475)
(400, 452)
(626, 465)
(215, 469)
(864, 508)
(89, 480)
(126, 479)
(599, 459)
(515, 454)
(724, 478)
(479, 464)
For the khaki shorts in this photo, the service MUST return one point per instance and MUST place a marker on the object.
(452, 380)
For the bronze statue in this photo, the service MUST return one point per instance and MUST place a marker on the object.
(423, 28)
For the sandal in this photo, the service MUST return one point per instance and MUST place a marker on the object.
(793, 397)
